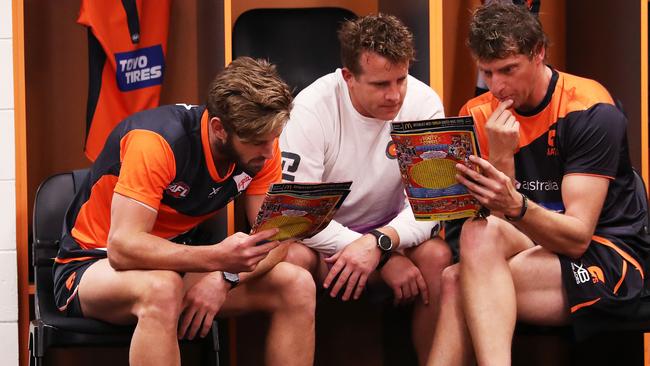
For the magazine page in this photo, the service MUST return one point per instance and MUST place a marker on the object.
(300, 210)
(427, 153)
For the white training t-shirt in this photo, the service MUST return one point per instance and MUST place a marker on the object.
(327, 140)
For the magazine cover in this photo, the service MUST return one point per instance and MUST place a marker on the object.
(300, 210)
(427, 153)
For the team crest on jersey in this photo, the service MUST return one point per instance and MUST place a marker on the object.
(391, 150)
(242, 180)
(178, 189)
(140, 68)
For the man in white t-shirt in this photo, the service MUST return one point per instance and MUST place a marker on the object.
(339, 130)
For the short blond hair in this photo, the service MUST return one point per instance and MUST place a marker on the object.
(250, 99)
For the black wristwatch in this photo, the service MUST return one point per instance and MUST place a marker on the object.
(231, 278)
(384, 244)
(522, 212)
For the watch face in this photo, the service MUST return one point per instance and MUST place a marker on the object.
(233, 278)
(384, 243)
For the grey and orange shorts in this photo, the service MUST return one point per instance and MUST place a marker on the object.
(603, 286)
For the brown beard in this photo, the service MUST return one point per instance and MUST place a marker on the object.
(227, 150)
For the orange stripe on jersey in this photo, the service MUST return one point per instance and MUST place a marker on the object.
(270, 173)
(68, 260)
(205, 140)
(584, 304)
(70, 281)
(148, 167)
(620, 251)
(623, 273)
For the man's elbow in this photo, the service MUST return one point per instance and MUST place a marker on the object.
(576, 251)
(116, 252)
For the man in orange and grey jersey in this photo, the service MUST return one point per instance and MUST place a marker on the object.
(567, 242)
(452, 227)
(161, 173)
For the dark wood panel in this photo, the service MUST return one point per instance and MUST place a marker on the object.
(603, 43)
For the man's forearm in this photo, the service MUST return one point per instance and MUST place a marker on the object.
(146, 251)
(559, 233)
(505, 164)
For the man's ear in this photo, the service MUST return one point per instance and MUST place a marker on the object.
(347, 75)
(540, 54)
(216, 127)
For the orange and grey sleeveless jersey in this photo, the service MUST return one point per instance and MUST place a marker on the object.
(576, 129)
(126, 47)
(162, 159)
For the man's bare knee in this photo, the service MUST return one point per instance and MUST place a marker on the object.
(481, 238)
(161, 297)
(295, 288)
(302, 256)
(450, 282)
(432, 256)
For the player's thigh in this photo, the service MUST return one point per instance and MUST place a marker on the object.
(541, 298)
(113, 296)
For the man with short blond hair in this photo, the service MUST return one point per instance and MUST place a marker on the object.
(339, 130)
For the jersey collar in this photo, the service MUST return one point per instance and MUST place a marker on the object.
(547, 98)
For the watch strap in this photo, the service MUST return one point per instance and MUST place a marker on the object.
(524, 207)
(376, 233)
(385, 254)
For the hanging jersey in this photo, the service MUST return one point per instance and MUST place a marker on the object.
(126, 46)
(575, 130)
(162, 159)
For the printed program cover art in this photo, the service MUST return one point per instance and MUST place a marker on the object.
(300, 210)
(427, 152)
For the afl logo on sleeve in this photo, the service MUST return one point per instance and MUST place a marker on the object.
(140, 68)
(178, 190)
